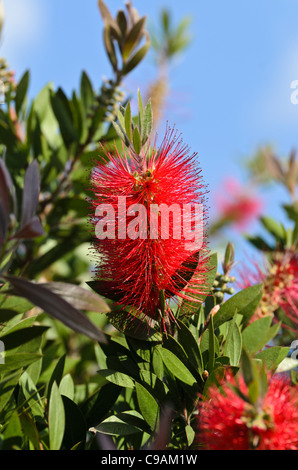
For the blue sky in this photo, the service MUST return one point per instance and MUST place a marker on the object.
(230, 91)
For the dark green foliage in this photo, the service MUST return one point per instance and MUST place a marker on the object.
(75, 364)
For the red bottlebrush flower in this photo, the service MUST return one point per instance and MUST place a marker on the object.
(237, 205)
(280, 284)
(140, 257)
(227, 421)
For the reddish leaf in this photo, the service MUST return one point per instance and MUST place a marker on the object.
(57, 307)
(30, 193)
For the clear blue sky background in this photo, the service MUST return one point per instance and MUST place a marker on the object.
(230, 91)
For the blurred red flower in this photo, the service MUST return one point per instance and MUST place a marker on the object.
(228, 421)
(280, 284)
(237, 205)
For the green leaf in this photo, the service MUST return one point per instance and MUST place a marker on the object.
(273, 227)
(117, 378)
(248, 311)
(176, 367)
(66, 387)
(34, 371)
(17, 360)
(254, 376)
(141, 112)
(156, 386)
(121, 117)
(11, 302)
(78, 117)
(64, 118)
(190, 346)
(238, 302)
(30, 430)
(214, 378)
(116, 426)
(20, 323)
(233, 344)
(133, 37)
(109, 46)
(259, 243)
(13, 434)
(97, 406)
(131, 323)
(256, 335)
(157, 364)
(122, 22)
(57, 375)
(273, 356)
(136, 59)
(31, 395)
(7, 386)
(204, 343)
(211, 348)
(87, 92)
(56, 418)
(121, 134)
(128, 122)
(147, 123)
(21, 337)
(75, 424)
(190, 434)
(21, 92)
(148, 406)
(176, 348)
(137, 141)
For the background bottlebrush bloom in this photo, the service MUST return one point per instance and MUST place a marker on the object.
(280, 284)
(228, 422)
(237, 205)
(135, 271)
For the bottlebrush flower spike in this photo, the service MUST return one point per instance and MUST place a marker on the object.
(228, 421)
(150, 197)
(280, 284)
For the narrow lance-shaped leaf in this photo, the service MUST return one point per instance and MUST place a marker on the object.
(176, 367)
(148, 405)
(64, 118)
(87, 92)
(141, 112)
(136, 59)
(30, 192)
(233, 344)
(128, 122)
(137, 141)
(56, 419)
(21, 92)
(121, 134)
(121, 118)
(211, 350)
(110, 47)
(134, 37)
(31, 230)
(78, 297)
(57, 307)
(147, 122)
(239, 301)
(6, 186)
(122, 22)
